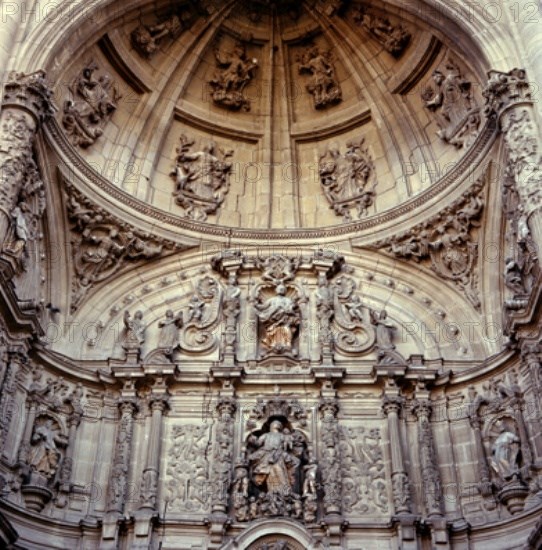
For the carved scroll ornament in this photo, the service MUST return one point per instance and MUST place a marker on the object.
(448, 241)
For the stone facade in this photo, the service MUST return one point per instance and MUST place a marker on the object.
(270, 276)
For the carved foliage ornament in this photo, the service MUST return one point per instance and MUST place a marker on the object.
(202, 178)
(394, 38)
(348, 180)
(323, 85)
(187, 470)
(93, 101)
(364, 482)
(202, 316)
(449, 97)
(448, 241)
(235, 70)
(102, 245)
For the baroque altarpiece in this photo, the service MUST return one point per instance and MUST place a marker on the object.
(270, 276)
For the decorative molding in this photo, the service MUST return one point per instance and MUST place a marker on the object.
(452, 177)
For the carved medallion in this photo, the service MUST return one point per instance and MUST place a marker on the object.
(449, 97)
(202, 178)
(348, 180)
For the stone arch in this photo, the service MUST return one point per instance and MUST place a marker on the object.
(272, 530)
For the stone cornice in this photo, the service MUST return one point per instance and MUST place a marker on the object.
(133, 208)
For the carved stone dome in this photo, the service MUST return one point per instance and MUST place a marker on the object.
(251, 119)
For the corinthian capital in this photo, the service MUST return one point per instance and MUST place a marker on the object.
(30, 92)
(506, 89)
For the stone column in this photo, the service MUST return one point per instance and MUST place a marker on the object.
(484, 486)
(508, 98)
(7, 393)
(330, 467)
(399, 478)
(116, 491)
(149, 487)
(222, 469)
(27, 102)
(24, 449)
(430, 474)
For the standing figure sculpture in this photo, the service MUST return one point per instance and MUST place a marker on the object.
(323, 86)
(169, 330)
(235, 72)
(134, 330)
(44, 456)
(273, 466)
(280, 316)
(505, 454)
(384, 330)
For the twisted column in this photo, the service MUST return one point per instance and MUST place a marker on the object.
(27, 102)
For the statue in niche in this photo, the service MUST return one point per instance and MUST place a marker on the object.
(202, 178)
(280, 316)
(93, 102)
(506, 453)
(147, 39)
(278, 478)
(44, 456)
(394, 38)
(449, 97)
(348, 180)
(273, 465)
(235, 72)
(323, 86)
(384, 330)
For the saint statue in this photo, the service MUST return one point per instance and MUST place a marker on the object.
(274, 466)
(135, 328)
(505, 453)
(280, 315)
(44, 456)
